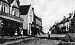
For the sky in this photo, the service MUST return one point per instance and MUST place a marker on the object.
(51, 11)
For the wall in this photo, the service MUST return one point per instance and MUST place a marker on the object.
(14, 11)
(4, 5)
(30, 15)
(30, 19)
(25, 22)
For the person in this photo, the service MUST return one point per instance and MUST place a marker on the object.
(49, 33)
(16, 34)
(21, 33)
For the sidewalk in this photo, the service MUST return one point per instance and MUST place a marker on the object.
(7, 38)
(44, 35)
(17, 41)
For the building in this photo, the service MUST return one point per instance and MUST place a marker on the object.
(27, 15)
(10, 20)
(36, 25)
(32, 24)
(72, 22)
(66, 25)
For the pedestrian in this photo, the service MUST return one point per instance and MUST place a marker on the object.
(16, 34)
(49, 33)
(21, 33)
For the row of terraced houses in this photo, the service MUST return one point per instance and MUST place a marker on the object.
(67, 25)
(16, 19)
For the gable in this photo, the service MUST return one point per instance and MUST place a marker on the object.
(30, 10)
(24, 9)
(15, 3)
(10, 1)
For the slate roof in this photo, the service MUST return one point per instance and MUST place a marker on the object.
(24, 9)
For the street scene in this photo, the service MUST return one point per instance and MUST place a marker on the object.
(37, 22)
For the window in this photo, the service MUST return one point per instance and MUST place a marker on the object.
(0, 2)
(1, 23)
(3, 7)
(30, 17)
(0, 5)
(36, 21)
(29, 26)
(13, 11)
(16, 12)
(6, 8)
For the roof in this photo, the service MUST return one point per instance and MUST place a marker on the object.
(38, 18)
(24, 9)
(5, 1)
(15, 7)
(64, 21)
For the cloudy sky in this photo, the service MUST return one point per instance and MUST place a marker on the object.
(51, 10)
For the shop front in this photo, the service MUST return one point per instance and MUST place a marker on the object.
(9, 27)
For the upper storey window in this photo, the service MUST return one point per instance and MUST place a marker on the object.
(4, 7)
(15, 12)
(0, 5)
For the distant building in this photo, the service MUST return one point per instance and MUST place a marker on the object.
(36, 25)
